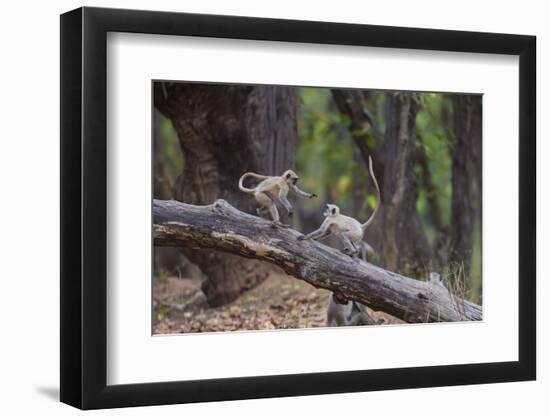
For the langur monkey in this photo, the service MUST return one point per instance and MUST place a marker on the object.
(351, 313)
(434, 278)
(349, 230)
(272, 190)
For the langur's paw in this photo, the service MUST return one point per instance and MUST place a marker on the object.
(312, 195)
(290, 213)
(303, 237)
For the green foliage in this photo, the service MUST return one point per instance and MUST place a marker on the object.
(162, 274)
(476, 288)
(169, 149)
(325, 151)
(163, 312)
(433, 136)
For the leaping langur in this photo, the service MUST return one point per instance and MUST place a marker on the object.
(272, 190)
(348, 229)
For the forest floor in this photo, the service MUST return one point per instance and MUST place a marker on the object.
(280, 302)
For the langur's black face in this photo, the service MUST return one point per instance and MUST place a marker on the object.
(292, 178)
(331, 210)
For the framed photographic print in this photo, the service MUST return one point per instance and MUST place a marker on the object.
(258, 207)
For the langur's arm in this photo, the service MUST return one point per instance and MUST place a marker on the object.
(321, 232)
(301, 193)
(284, 201)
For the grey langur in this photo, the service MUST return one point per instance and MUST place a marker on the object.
(434, 278)
(274, 189)
(351, 313)
(348, 229)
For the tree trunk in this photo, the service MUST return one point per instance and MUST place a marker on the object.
(223, 132)
(434, 211)
(396, 234)
(221, 226)
(466, 170)
(406, 247)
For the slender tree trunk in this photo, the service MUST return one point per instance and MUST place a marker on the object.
(466, 163)
(396, 234)
(223, 132)
(406, 247)
(434, 210)
(363, 129)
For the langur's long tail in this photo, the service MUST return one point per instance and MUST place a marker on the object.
(371, 218)
(249, 174)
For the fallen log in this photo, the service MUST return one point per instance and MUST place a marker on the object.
(222, 227)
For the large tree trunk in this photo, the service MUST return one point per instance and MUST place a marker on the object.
(396, 234)
(466, 177)
(223, 132)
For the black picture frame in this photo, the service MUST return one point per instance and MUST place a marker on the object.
(84, 207)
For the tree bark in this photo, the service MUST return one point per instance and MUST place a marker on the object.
(434, 210)
(222, 227)
(362, 126)
(466, 163)
(406, 247)
(396, 234)
(223, 132)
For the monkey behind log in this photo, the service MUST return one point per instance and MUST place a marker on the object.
(272, 190)
(351, 313)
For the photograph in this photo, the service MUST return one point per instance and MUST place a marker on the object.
(300, 202)
(256, 206)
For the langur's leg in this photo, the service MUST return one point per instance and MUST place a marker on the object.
(364, 252)
(349, 247)
(359, 316)
(274, 212)
(268, 204)
(265, 203)
(275, 216)
(262, 212)
(317, 234)
(285, 203)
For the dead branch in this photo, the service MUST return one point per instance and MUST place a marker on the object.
(222, 227)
